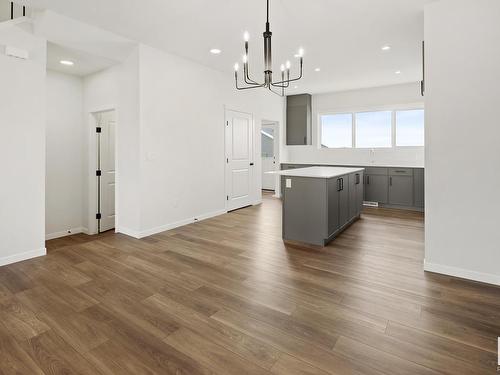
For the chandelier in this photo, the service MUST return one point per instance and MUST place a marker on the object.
(268, 83)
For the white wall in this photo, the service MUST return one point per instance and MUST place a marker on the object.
(398, 96)
(463, 138)
(65, 139)
(182, 137)
(115, 88)
(22, 147)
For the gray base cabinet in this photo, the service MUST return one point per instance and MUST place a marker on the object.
(316, 210)
(376, 188)
(401, 188)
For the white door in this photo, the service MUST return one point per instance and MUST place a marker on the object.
(268, 157)
(239, 159)
(106, 164)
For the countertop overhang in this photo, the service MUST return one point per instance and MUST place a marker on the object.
(318, 172)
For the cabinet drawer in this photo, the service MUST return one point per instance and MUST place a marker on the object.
(380, 171)
(401, 171)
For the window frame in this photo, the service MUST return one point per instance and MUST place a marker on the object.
(320, 132)
(392, 108)
(394, 145)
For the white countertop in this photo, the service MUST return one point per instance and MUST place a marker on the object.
(318, 172)
(356, 165)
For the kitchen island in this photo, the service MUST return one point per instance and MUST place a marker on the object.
(320, 202)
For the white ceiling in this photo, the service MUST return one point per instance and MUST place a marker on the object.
(342, 37)
(85, 63)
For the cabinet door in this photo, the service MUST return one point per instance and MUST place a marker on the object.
(333, 205)
(418, 187)
(353, 201)
(359, 193)
(376, 187)
(344, 200)
(401, 190)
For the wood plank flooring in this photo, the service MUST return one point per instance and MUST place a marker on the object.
(226, 296)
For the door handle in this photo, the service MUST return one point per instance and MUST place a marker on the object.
(251, 164)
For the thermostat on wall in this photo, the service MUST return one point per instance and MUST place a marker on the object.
(17, 52)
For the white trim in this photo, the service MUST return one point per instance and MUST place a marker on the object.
(22, 256)
(487, 278)
(163, 228)
(64, 233)
(128, 232)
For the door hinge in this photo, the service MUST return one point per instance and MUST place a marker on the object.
(227, 160)
(227, 197)
(98, 216)
(98, 173)
(98, 129)
(227, 123)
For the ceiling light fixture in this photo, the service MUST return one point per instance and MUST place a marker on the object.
(398, 72)
(67, 62)
(215, 51)
(317, 70)
(268, 64)
(386, 48)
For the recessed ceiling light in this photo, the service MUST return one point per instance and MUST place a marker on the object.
(295, 87)
(67, 62)
(386, 48)
(215, 51)
(398, 72)
(317, 70)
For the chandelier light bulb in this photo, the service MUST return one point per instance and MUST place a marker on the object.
(282, 67)
(245, 59)
(288, 64)
(246, 36)
(236, 67)
(301, 52)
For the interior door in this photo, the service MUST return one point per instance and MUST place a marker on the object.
(239, 159)
(268, 157)
(106, 161)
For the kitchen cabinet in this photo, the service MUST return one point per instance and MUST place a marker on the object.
(298, 119)
(355, 194)
(376, 188)
(418, 188)
(401, 190)
(317, 203)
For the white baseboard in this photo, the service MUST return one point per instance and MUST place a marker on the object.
(22, 256)
(487, 278)
(128, 232)
(64, 233)
(163, 228)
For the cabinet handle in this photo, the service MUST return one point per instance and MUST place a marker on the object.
(368, 180)
(338, 184)
(358, 180)
(342, 184)
(390, 181)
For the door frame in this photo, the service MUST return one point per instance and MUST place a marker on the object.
(91, 167)
(254, 151)
(277, 166)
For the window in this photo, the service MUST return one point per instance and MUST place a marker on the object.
(410, 128)
(336, 131)
(374, 129)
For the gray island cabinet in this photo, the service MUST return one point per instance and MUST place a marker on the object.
(320, 202)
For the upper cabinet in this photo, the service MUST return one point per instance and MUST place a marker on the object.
(298, 119)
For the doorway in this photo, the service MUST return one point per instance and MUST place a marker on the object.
(105, 170)
(269, 135)
(240, 163)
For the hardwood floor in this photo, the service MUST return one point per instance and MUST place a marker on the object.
(226, 296)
